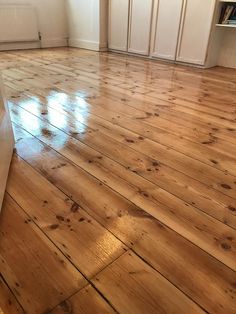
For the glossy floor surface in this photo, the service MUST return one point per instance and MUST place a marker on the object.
(122, 189)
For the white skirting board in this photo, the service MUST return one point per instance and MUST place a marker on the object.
(45, 43)
(18, 46)
(85, 44)
(54, 42)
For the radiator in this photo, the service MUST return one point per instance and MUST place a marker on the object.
(18, 23)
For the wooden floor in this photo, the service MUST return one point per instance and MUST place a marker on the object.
(122, 189)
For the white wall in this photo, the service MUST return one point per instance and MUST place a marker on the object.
(84, 22)
(86, 28)
(52, 20)
(227, 56)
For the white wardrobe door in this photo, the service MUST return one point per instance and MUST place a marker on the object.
(168, 20)
(195, 32)
(140, 26)
(118, 24)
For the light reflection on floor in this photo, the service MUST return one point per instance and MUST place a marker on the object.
(62, 101)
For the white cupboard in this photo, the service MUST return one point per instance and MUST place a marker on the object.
(167, 18)
(177, 30)
(140, 26)
(118, 24)
(195, 31)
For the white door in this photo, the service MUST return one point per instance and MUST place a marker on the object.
(167, 18)
(140, 26)
(118, 24)
(195, 32)
(6, 143)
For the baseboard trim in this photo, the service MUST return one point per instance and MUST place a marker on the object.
(54, 42)
(44, 43)
(19, 46)
(85, 44)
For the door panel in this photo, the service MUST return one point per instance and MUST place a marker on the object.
(118, 24)
(6, 143)
(195, 32)
(167, 28)
(140, 26)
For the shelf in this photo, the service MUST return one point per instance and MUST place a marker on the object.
(226, 25)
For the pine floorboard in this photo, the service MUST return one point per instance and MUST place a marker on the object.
(121, 196)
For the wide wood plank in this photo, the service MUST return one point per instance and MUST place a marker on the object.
(30, 263)
(147, 291)
(64, 222)
(87, 301)
(8, 302)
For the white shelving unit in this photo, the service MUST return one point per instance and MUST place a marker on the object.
(221, 3)
(222, 46)
(226, 25)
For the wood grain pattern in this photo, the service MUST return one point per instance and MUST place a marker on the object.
(115, 154)
(140, 164)
(138, 229)
(8, 302)
(76, 182)
(70, 228)
(146, 290)
(87, 301)
(30, 263)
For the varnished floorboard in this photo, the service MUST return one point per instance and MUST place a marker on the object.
(121, 196)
